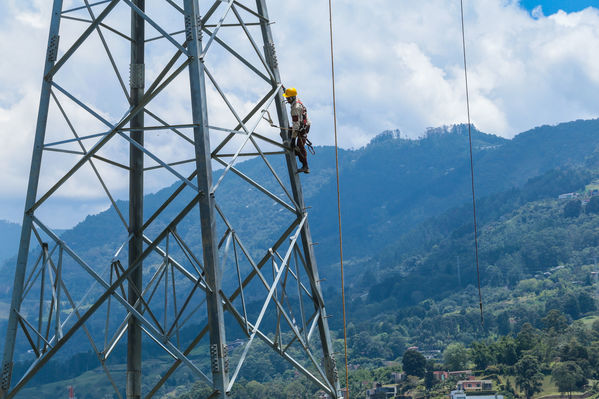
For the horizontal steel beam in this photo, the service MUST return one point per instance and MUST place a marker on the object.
(83, 7)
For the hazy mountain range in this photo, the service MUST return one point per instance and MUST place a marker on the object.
(9, 239)
(388, 188)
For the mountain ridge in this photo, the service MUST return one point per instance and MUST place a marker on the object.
(392, 184)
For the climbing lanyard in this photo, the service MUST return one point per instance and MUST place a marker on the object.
(266, 116)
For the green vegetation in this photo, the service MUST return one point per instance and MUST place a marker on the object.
(410, 268)
(413, 363)
(528, 375)
(530, 363)
(533, 260)
(455, 356)
(569, 377)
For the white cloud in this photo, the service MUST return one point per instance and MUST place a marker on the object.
(398, 65)
(537, 12)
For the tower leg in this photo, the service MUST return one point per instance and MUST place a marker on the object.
(312, 269)
(136, 192)
(34, 175)
(214, 303)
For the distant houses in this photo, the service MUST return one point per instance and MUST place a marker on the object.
(459, 394)
(445, 375)
(471, 388)
(441, 375)
(474, 385)
(381, 391)
(467, 386)
(584, 196)
(460, 374)
(431, 354)
(568, 196)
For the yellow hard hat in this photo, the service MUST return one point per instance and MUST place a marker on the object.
(290, 92)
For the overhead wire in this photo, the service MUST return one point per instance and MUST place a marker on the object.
(480, 296)
(338, 196)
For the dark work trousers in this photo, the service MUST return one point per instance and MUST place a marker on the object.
(299, 143)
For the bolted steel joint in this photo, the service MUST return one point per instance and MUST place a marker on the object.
(53, 48)
(137, 76)
(331, 367)
(188, 35)
(6, 376)
(214, 358)
(271, 53)
(226, 358)
(189, 26)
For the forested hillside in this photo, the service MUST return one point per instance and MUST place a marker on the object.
(409, 241)
(388, 188)
(533, 258)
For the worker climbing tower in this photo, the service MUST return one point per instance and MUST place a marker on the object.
(193, 279)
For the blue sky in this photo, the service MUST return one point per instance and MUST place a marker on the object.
(552, 6)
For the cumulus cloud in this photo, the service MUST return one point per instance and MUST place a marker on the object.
(398, 66)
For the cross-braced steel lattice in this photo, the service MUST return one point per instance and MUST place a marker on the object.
(165, 277)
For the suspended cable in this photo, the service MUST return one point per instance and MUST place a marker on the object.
(480, 296)
(338, 196)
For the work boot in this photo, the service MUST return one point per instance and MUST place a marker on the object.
(303, 169)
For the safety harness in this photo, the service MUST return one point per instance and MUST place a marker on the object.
(266, 116)
(304, 121)
(304, 128)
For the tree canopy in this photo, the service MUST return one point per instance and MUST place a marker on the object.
(528, 375)
(414, 363)
(568, 377)
(455, 356)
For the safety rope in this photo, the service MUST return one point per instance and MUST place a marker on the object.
(480, 296)
(338, 196)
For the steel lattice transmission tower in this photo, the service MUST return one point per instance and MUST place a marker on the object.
(167, 278)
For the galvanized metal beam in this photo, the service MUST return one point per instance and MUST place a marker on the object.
(34, 175)
(199, 108)
(136, 198)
